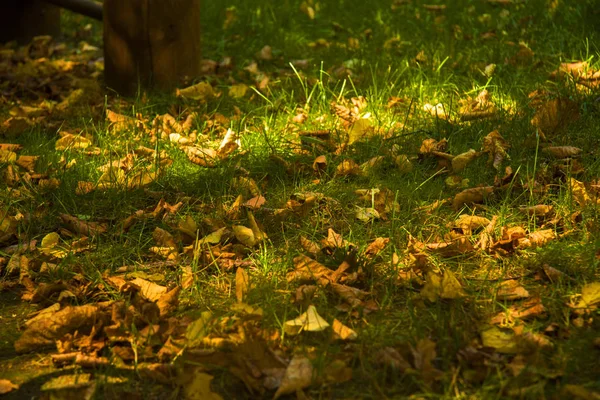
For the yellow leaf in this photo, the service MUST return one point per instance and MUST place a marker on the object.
(451, 287)
(241, 284)
(433, 286)
(460, 161)
(214, 237)
(359, 129)
(197, 386)
(7, 156)
(309, 321)
(70, 141)
(590, 295)
(244, 235)
(403, 163)
(580, 193)
(197, 330)
(348, 168)
(342, 332)
(51, 247)
(503, 341)
(366, 214)
(201, 91)
(238, 91)
(150, 290)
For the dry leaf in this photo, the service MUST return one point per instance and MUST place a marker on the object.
(472, 195)
(241, 284)
(503, 341)
(244, 235)
(342, 332)
(460, 162)
(44, 332)
(197, 385)
(202, 91)
(511, 290)
(150, 290)
(7, 386)
(359, 129)
(298, 375)
(437, 111)
(590, 296)
(238, 91)
(309, 321)
(496, 147)
(562, 151)
(348, 168)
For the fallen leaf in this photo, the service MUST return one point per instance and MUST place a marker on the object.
(149, 290)
(7, 386)
(472, 195)
(298, 375)
(241, 284)
(460, 161)
(44, 332)
(562, 151)
(202, 91)
(244, 235)
(502, 340)
(238, 91)
(348, 167)
(511, 290)
(309, 321)
(342, 332)
(197, 385)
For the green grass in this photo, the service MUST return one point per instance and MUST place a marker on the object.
(383, 65)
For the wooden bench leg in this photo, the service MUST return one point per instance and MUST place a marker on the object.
(152, 43)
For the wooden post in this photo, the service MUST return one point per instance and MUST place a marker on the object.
(21, 20)
(150, 43)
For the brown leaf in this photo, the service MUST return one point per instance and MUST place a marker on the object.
(424, 354)
(164, 238)
(472, 195)
(376, 246)
(311, 247)
(298, 375)
(390, 357)
(203, 157)
(44, 332)
(7, 386)
(496, 146)
(553, 115)
(241, 284)
(81, 227)
(353, 296)
(255, 203)
(348, 167)
(511, 290)
(528, 309)
(460, 161)
(150, 290)
(342, 332)
(562, 151)
(168, 302)
(307, 269)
